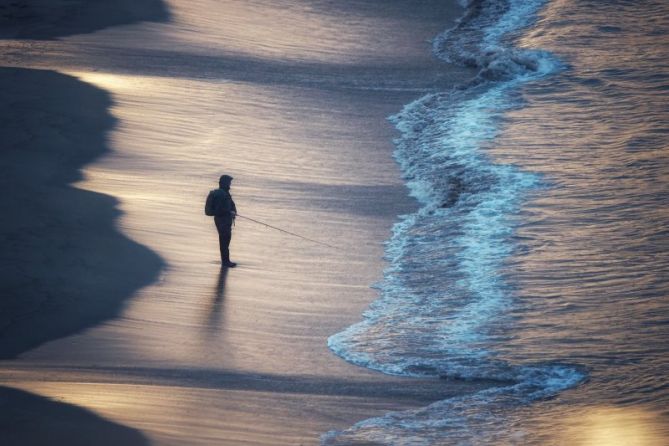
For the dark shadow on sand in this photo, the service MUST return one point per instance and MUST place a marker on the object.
(417, 390)
(374, 77)
(50, 19)
(424, 12)
(27, 420)
(64, 266)
(354, 199)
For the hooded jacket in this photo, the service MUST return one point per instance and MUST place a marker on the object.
(222, 203)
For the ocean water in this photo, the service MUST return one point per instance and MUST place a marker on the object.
(540, 252)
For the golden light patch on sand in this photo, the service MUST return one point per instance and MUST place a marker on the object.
(112, 81)
(613, 426)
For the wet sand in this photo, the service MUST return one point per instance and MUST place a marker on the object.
(298, 117)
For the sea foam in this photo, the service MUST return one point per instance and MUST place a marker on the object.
(444, 303)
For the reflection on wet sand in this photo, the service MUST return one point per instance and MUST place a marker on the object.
(612, 426)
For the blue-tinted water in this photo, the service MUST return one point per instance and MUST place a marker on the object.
(540, 253)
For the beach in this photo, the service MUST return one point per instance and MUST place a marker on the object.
(451, 222)
(121, 324)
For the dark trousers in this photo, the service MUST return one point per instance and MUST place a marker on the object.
(224, 236)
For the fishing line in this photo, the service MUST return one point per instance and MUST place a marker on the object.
(289, 233)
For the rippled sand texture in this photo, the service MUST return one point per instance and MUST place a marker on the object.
(290, 98)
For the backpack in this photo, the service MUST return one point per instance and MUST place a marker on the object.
(209, 206)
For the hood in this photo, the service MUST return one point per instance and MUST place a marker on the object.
(224, 181)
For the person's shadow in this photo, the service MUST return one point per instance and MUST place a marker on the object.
(216, 310)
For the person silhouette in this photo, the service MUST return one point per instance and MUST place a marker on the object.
(221, 206)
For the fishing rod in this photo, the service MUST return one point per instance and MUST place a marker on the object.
(288, 232)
